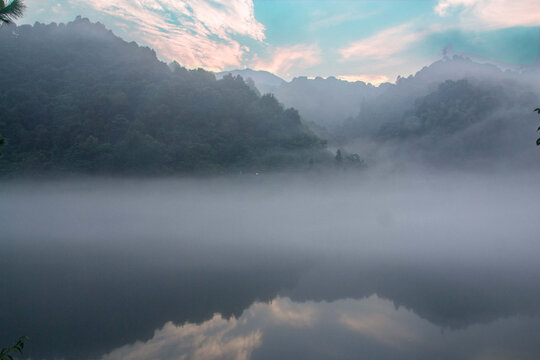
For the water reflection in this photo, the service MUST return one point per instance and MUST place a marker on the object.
(217, 338)
(78, 302)
(419, 269)
(370, 328)
(83, 302)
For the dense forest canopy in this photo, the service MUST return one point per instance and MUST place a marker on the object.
(77, 98)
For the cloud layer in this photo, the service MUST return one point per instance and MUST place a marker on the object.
(213, 339)
(371, 327)
(285, 59)
(304, 38)
(492, 14)
(384, 44)
(196, 33)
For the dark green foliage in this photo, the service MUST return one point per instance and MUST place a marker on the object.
(454, 106)
(11, 11)
(339, 157)
(537, 140)
(6, 353)
(79, 99)
(2, 142)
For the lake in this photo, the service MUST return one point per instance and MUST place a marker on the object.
(349, 266)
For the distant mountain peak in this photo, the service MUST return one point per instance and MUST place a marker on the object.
(255, 75)
(264, 81)
(448, 51)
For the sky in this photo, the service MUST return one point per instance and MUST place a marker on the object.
(369, 40)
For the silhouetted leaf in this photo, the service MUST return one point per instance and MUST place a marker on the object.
(538, 142)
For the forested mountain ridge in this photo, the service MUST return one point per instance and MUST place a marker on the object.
(264, 81)
(76, 98)
(453, 112)
(466, 122)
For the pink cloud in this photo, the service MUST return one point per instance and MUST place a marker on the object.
(385, 43)
(203, 36)
(284, 59)
(213, 339)
(493, 14)
(367, 78)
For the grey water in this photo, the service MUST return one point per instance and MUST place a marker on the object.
(347, 266)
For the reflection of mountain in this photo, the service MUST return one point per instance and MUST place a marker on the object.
(92, 265)
(369, 328)
(451, 296)
(77, 302)
(92, 299)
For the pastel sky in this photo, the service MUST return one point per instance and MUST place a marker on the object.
(373, 41)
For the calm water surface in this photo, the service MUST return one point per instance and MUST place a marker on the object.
(396, 267)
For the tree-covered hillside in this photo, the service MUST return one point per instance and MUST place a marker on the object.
(478, 114)
(76, 98)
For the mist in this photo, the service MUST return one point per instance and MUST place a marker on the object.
(153, 211)
(294, 210)
(100, 250)
(455, 113)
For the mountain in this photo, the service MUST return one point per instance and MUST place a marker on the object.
(321, 102)
(325, 102)
(453, 112)
(461, 110)
(76, 98)
(264, 81)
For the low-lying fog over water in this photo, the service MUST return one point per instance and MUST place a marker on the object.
(349, 266)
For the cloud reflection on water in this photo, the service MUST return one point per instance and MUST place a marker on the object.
(367, 328)
(212, 339)
(96, 264)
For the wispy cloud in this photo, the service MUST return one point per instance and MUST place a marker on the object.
(492, 14)
(284, 311)
(284, 59)
(212, 340)
(385, 43)
(337, 19)
(194, 32)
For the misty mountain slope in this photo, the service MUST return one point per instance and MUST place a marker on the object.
(393, 100)
(321, 102)
(264, 81)
(454, 111)
(326, 102)
(329, 102)
(77, 98)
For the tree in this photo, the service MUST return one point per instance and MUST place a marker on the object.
(11, 11)
(339, 157)
(2, 142)
(5, 353)
(7, 13)
(537, 140)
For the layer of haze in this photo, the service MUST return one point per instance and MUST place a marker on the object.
(92, 265)
(399, 215)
